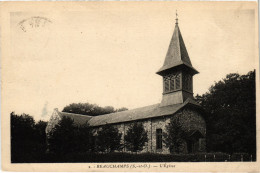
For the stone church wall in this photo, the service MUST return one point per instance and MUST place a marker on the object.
(159, 123)
(191, 120)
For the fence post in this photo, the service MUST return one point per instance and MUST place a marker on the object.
(229, 157)
(214, 158)
(251, 158)
(205, 157)
(241, 158)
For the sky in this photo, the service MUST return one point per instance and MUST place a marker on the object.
(108, 53)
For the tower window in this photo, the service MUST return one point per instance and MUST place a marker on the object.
(178, 86)
(172, 82)
(166, 85)
(187, 82)
(158, 138)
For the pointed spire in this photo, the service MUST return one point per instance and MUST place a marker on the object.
(177, 53)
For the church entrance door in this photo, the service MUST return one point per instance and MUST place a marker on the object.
(193, 141)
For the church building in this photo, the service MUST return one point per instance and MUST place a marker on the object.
(177, 101)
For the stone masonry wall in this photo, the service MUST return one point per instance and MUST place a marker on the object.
(190, 118)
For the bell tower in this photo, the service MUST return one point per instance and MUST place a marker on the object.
(177, 71)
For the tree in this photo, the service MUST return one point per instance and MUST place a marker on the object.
(230, 107)
(22, 126)
(108, 139)
(83, 135)
(121, 109)
(27, 138)
(22, 135)
(40, 135)
(61, 137)
(135, 137)
(66, 137)
(90, 109)
(175, 135)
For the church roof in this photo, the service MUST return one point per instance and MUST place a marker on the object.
(77, 118)
(146, 112)
(177, 53)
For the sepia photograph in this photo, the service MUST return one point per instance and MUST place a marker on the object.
(136, 86)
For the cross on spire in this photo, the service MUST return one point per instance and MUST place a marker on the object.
(176, 17)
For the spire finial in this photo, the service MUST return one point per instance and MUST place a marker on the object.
(176, 17)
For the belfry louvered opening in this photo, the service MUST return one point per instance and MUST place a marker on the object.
(172, 83)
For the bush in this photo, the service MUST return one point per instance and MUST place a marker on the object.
(175, 135)
(108, 139)
(27, 138)
(65, 137)
(135, 137)
(88, 157)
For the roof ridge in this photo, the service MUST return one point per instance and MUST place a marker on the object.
(191, 101)
(109, 113)
(185, 58)
(75, 114)
(127, 110)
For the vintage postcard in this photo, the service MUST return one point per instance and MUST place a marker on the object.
(130, 86)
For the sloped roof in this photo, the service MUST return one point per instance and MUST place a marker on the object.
(146, 112)
(139, 113)
(177, 53)
(78, 118)
(195, 134)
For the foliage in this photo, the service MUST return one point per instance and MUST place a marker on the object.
(65, 137)
(40, 129)
(27, 137)
(230, 107)
(121, 109)
(61, 137)
(90, 109)
(108, 139)
(175, 135)
(83, 137)
(135, 137)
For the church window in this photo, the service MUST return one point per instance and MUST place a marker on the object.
(166, 85)
(189, 83)
(177, 80)
(185, 83)
(158, 138)
(172, 84)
